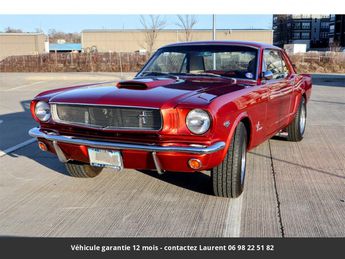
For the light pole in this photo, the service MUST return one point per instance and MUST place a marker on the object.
(214, 26)
(214, 38)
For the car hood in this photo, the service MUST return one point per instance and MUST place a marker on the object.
(151, 92)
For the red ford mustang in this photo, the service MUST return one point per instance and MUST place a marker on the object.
(194, 106)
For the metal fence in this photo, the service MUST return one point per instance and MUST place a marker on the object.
(74, 62)
(310, 62)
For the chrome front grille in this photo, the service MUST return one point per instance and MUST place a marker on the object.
(109, 117)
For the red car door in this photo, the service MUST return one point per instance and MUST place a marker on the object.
(280, 90)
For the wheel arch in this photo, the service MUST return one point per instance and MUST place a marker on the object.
(297, 101)
(228, 176)
(248, 125)
(304, 95)
(245, 119)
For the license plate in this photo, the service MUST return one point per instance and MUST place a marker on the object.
(105, 158)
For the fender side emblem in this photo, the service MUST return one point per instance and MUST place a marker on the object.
(226, 124)
(258, 126)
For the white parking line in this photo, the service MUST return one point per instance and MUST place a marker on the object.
(11, 149)
(22, 86)
(233, 218)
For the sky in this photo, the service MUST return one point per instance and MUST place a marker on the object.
(77, 23)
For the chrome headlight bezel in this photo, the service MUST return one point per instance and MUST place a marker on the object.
(42, 111)
(198, 121)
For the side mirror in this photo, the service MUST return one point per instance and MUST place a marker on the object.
(268, 75)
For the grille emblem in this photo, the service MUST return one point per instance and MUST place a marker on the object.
(86, 117)
(142, 118)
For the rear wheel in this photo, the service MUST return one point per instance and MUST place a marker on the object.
(228, 177)
(297, 127)
(82, 170)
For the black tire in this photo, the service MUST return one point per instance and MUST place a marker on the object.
(228, 177)
(296, 128)
(82, 170)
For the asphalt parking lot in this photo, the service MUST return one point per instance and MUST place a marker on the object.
(291, 190)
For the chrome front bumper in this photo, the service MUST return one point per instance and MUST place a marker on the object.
(37, 133)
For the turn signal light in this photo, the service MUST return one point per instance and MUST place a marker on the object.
(194, 163)
(42, 146)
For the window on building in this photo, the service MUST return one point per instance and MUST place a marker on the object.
(305, 35)
(297, 26)
(305, 25)
(324, 25)
(331, 28)
(324, 35)
(296, 35)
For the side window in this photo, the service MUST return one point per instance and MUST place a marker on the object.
(285, 68)
(274, 63)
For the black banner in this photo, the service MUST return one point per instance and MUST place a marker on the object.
(170, 247)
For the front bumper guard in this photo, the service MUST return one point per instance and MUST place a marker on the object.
(51, 136)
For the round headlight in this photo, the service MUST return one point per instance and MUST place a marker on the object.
(198, 121)
(42, 111)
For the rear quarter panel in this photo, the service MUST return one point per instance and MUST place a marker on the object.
(301, 87)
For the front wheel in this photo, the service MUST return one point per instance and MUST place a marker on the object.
(297, 127)
(82, 170)
(228, 177)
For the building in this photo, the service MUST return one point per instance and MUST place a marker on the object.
(65, 47)
(134, 40)
(13, 44)
(311, 30)
(337, 30)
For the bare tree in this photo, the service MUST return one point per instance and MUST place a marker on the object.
(152, 27)
(12, 30)
(187, 22)
(335, 46)
(55, 35)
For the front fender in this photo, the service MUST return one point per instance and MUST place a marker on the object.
(233, 126)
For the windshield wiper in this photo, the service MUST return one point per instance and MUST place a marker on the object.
(176, 75)
(210, 74)
(154, 73)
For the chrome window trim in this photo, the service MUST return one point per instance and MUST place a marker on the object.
(262, 63)
(215, 44)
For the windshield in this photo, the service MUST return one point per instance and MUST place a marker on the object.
(227, 61)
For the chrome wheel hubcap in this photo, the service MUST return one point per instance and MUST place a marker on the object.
(243, 163)
(302, 119)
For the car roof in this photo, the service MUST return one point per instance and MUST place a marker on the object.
(224, 43)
